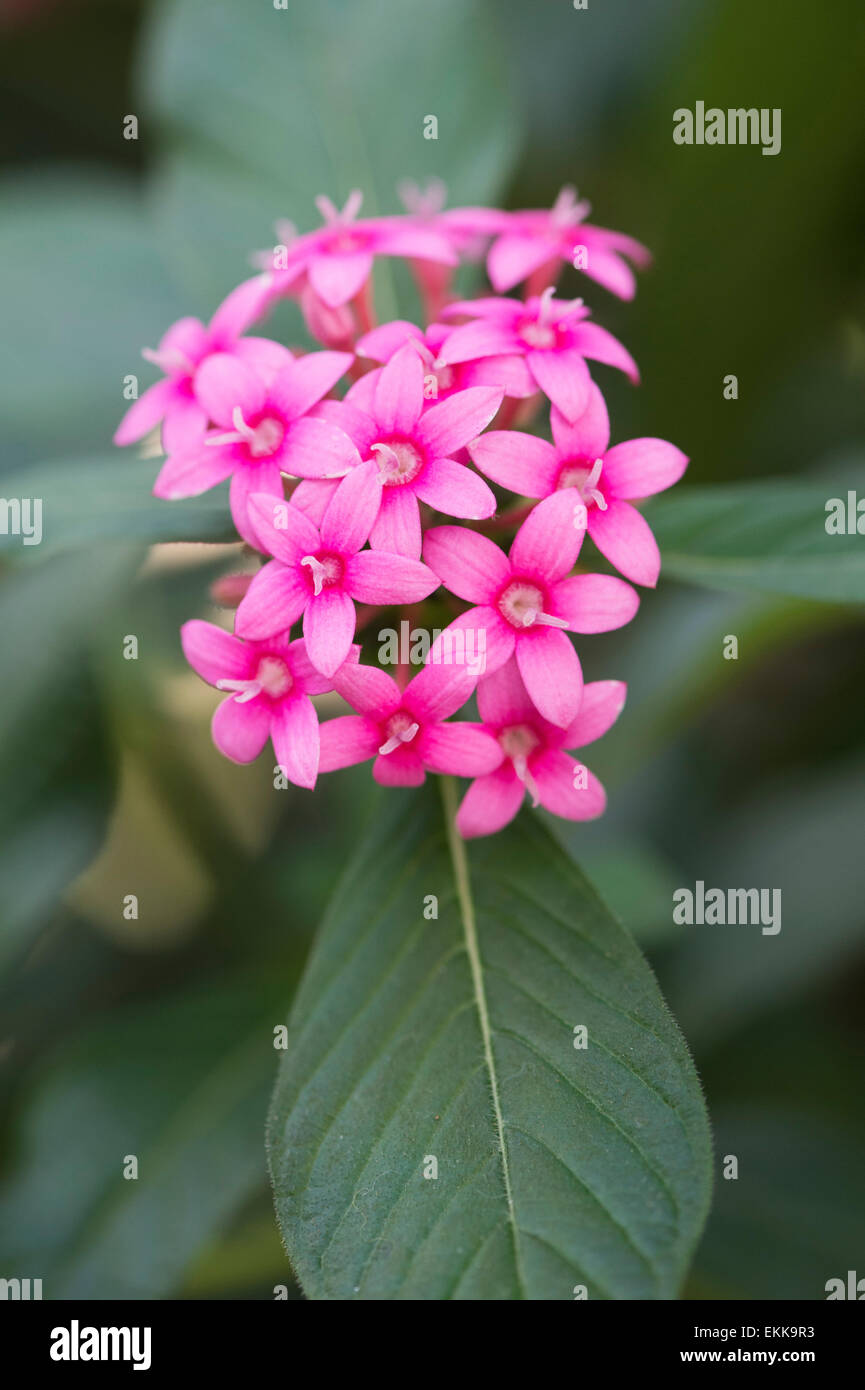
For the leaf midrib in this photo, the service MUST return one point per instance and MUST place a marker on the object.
(459, 860)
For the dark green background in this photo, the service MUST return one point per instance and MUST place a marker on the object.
(153, 1037)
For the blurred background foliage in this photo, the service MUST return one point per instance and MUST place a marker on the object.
(153, 1037)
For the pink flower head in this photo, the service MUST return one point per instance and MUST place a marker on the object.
(181, 352)
(543, 237)
(406, 451)
(533, 756)
(271, 683)
(405, 730)
(508, 374)
(525, 602)
(550, 334)
(602, 479)
(337, 259)
(265, 431)
(318, 573)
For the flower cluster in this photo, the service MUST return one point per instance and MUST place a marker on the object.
(351, 498)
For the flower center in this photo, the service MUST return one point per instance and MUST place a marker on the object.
(585, 475)
(538, 335)
(518, 742)
(274, 677)
(522, 603)
(325, 570)
(399, 461)
(346, 242)
(266, 437)
(400, 729)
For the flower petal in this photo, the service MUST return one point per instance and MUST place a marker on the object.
(368, 689)
(554, 775)
(551, 670)
(328, 628)
(337, 278)
(189, 476)
(512, 257)
(350, 514)
(401, 768)
(452, 423)
(303, 383)
(184, 427)
(224, 384)
(586, 437)
(503, 698)
(347, 740)
(398, 397)
(397, 527)
(548, 543)
(312, 497)
(295, 737)
(374, 576)
(594, 602)
(460, 749)
(454, 489)
(642, 467)
(626, 539)
(316, 448)
(273, 602)
(240, 731)
(590, 340)
(562, 376)
(478, 339)
(520, 462)
(479, 639)
(145, 414)
(438, 691)
(243, 307)
(600, 707)
(283, 530)
(263, 478)
(382, 342)
(490, 803)
(470, 565)
(214, 653)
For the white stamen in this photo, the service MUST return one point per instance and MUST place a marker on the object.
(247, 689)
(319, 573)
(547, 620)
(231, 438)
(395, 740)
(521, 768)
(244, 430)
(590, 489)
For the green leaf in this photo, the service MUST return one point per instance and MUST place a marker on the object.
(768, 536)
(329, 110)
(453, 1039)
(83, 289)
(110, 498)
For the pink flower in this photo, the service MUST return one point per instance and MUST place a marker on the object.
(338, 258)
(549, 334)
(404, 730)
(271, 683)
(318, 573)
(602, 479)
(533, 756)
(539, 238)
(525, 602)
(181, 352)
(508, 374)
(265, 432)
(406, 452)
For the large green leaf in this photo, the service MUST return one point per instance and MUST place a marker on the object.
(454, 1039)
(769, 536)
(329, 109)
